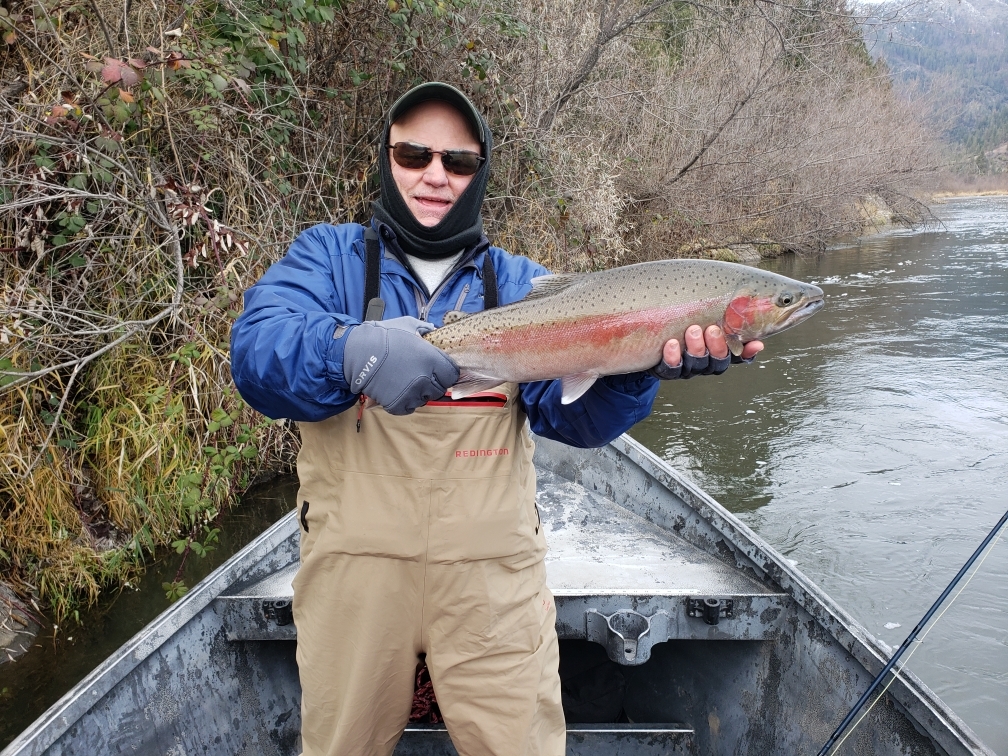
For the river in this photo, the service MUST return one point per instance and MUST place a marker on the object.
(869, 445)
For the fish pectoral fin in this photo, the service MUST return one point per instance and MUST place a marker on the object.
(472, 383)
(734, 343)
(575, 385)
(454, 316)
(544, 286)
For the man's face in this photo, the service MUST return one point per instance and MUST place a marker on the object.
(430, 192)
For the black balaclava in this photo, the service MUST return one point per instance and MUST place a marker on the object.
(463, 224)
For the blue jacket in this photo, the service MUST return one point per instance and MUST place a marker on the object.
(286, 363)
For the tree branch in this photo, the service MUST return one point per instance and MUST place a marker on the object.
(113, 51)
(610, 27)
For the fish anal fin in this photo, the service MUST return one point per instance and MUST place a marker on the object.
(472, 383)
(544, 286)
(454, 316)
(575, 385)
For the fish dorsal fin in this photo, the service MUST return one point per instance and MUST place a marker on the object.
(575, 385)
(544, 286)
(454, 316)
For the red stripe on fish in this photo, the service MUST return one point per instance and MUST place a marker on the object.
(597, 331)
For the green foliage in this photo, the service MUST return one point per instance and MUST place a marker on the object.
(266, 40)
(673, 24)
(174, 590)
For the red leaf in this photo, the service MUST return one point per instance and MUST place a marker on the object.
(126, 96)
(111, 72)
(138, 63)
(129, 77)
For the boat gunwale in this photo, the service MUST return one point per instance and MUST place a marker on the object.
(850, 634)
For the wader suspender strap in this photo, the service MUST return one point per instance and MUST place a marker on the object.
(489, 283)
(374, 306)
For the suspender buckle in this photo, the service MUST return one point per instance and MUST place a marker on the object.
(375, 309)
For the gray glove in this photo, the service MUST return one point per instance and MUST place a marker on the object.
(689, 366)
(389, 362)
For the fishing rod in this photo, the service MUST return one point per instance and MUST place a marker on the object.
(910, 638)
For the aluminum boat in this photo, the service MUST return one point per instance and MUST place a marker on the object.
(681, 632)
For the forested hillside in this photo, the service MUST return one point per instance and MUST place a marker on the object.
(156, 157)
(955, 55)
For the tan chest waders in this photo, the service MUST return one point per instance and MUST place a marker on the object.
(421, 534)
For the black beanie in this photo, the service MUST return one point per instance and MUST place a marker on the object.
(462, 226)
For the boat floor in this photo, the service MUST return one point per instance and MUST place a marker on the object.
(602, 558)
(597, 547)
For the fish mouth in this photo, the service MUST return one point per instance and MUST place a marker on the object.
(806, 311)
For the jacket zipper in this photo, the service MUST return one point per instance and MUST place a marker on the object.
(425, 310)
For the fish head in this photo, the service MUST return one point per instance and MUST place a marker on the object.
(768, 304)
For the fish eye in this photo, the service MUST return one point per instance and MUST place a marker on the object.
(785, 299)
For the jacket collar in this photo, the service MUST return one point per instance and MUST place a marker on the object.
(472, 257)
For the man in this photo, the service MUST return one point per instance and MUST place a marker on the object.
(407, 547)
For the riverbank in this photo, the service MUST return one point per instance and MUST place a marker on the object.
(950, 186)
(945, 195)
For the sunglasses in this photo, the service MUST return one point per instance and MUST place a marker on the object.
(415, 156)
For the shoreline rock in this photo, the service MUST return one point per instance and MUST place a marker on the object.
(18, 626)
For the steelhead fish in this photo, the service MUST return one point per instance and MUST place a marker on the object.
(580, 326)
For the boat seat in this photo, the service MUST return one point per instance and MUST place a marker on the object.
(617, 578)
(582, 740)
